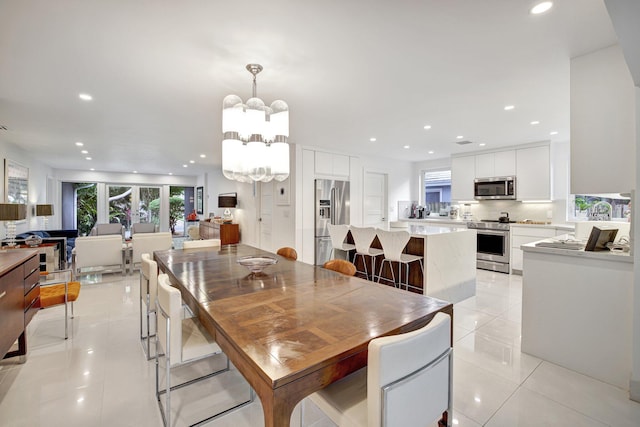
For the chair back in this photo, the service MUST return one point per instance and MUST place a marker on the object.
(143, 243)
(288, 253)
(95, 251)
(337, 233)
(393, 243)
(107, 229)
(149, 277)
(341, 266)
(207, 243)
(170, 301)
(143, 227)
(409, 376)
(363, 238)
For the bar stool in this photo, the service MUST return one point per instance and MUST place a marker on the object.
(338, 234)
(148, 292)
(363, 238)
(393, 243)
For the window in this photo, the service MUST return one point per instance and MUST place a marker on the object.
(437, 189)
(599, 207)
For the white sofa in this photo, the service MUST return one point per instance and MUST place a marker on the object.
(100, 251)
(143, 243)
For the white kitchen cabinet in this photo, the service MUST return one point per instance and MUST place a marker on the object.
(533, 173)
(500, 163)
(463, 172)
(527, 234)
(331, 164)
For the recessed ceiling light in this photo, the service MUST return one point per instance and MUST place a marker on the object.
(431, 152)
(79, 144)
(407, 146)
(553, 133)
(509, 107)
(170, 173)
(135, 171)
(372, 139)
(85, 97)
(192, 161)
(185, 166)
(88, 158)
(202, 156)
(482, 144)
(84, 152)
(92, 169)
(427, 127)
(535, 122)
(541, 7)
(459, 136)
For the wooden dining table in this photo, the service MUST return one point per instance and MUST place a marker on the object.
(295, 328)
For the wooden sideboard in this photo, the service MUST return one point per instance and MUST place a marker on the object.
(227, 233)
(19, 297)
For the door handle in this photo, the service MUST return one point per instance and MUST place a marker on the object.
(3, 294)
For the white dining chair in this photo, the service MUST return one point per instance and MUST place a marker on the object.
(148, 292)
(181, 342)
(338, 234)
(363, 238)
(393, 244)
(407, 381)
(207, 243)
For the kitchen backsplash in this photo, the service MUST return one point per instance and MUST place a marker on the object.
(539, 212)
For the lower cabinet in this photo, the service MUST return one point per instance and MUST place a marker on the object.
(229, 234)
(19, 296)
(527, 234)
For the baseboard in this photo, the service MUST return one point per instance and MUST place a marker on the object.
(634, 390)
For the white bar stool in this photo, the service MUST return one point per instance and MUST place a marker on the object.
(363, 238)
(393, 243)
(338, 234)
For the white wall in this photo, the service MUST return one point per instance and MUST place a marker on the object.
(38, 174)
(634, 385)
(602, 123)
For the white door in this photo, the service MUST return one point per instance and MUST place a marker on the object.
(375, 199)
(265, 219)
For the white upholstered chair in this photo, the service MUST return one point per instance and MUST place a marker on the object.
(407, 381)
(107, 229)
(143, 227)
(146, 243)
(363, 238)
(99, 251)
(207, 243)
(393, 243)
(181, 341)
(338, 234)
(148, 293)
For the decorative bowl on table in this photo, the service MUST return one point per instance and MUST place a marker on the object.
(33, 240)
(256, 264)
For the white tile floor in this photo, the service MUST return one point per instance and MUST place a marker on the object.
(99, 377)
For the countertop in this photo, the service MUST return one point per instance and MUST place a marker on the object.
(601, 255)
(463, 223)
(421, 230)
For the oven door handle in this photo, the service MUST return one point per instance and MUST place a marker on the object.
(493, 232)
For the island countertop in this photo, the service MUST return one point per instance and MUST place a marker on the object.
(579, 253)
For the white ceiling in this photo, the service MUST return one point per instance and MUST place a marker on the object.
(349, 70)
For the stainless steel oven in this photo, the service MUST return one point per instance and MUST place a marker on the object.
(493, 245)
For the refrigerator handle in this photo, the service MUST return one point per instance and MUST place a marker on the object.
(333, 206)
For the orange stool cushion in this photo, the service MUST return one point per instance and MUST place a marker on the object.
(54, 294)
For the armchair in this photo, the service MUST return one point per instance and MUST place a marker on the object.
(99, 251)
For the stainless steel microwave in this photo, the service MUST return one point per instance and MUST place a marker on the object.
(498, 188)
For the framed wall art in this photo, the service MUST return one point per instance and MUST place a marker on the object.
(200, 200)
(16, 182)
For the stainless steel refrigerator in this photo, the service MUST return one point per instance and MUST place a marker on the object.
(331, 207)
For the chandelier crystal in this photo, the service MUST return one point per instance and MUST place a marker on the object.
(254, 145)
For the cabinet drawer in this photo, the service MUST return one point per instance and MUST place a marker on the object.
(32, 309)
(31, 280)
(32, 264)
(31, 296)
(533, 231)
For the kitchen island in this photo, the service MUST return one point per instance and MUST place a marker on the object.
(449, 253)
(577, 310)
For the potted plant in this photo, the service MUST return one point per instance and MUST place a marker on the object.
(581, 205)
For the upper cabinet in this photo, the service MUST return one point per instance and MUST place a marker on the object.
(331, 164)
(533, 173)
(501, 163)
(463, 172)
(603, 141)
(530, 164)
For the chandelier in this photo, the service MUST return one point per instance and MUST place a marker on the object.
(254, 146)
